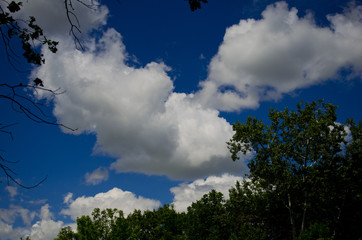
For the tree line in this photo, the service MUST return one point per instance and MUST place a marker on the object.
(304, 183)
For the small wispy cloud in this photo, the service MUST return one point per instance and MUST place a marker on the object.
(97, 176)
(13, 191)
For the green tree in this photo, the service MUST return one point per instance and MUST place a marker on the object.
(296, 157)
(27, 238)
(348, 182)
(66, 233)
(254, 213)
(86, 229)
(100, 226)
(121, 228)
(164, 223)
(207, 218)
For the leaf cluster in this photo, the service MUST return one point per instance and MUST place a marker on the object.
(27, 31)
(196, 4)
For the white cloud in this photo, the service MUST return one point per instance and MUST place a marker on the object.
(135, 114)
(43, 229)
(263, 59)
(9, 215)
(68, 198)
(114, 198)
(97, 176)
(150, 129)
(46, 228)
(7, 231)
(185, 194)
(13, 191)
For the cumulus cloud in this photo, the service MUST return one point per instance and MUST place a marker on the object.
(8, 232)
(43, 229)
(262, 59)
(46, 228)
(185, 194)
(138, 118)
(114, 198)
(97, 176)
(134, 112)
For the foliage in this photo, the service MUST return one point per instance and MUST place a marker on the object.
(195, 4)
(27, 31)
(207, 218)
(66, 233)
(315, 231)
(304, 159)
(163, 223)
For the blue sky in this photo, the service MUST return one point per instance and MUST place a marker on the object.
(153, 97)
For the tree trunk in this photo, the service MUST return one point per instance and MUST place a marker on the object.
(304, 213)
(291, 216)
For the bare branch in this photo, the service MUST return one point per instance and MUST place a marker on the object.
(27, 105)
(74, 21)
(10, 178)
(32, 110)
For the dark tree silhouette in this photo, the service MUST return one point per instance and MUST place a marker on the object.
(195, 4)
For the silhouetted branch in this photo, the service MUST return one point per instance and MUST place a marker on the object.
(7, 132)
(9, 173)
(27, 105)
(73, 19)
(196, 4)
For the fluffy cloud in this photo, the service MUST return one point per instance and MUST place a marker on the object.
(114, 198)
(262, 59)
(43, 229)
(46, 228)
(97, 176)
(148, 128)
(185, 194)
(9, 215)
(134, 112)
(8, 232)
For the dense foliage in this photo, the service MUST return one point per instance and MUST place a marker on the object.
(305, 183)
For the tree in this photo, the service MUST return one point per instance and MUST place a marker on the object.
(296, 157)
(348, 182)
(207, 218)
(66, 233)
(164, 223)
(254, 213)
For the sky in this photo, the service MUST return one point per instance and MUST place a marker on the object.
(153, 95)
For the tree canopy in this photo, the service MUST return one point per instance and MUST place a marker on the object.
(305, 159)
